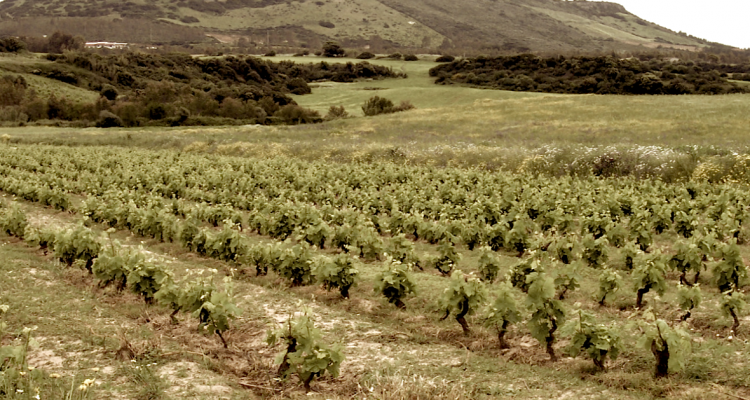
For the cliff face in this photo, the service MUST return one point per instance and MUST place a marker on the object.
(482, 25)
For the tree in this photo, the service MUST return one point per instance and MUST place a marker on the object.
(332, 49)
(12, 45)
(59, 42)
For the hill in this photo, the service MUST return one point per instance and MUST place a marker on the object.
(481, 25)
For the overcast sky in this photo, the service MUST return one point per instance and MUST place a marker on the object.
(723, 21)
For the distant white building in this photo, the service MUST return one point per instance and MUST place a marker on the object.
(105, 45)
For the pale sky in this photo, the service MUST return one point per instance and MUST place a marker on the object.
(722, 21)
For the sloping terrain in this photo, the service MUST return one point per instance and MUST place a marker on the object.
(510, 25)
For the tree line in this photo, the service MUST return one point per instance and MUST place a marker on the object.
(600, 75)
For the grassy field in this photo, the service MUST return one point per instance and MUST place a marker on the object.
(495, 118)
(454, 125)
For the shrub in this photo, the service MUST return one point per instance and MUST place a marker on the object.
(395, 283)
(189, 20)
(339, 272)
(109, 93)
(445, 58)
(12, 90)
(78, 243)
(216, 309)
(271, 53)
(411, 57)
(518, 275)
(447, 259)
(732, 303)
(609, 282)
(295, 265)
(689, 298)
(595, 252)
(145, 278)
(227, 245)
(42, 237)
(336, 112)
(332, 49)
(649, 274)
(379, 105)
(156, 111)
(596, 340)
(113, 266)
(730, 272)
(298, 86)
(294, 114)
(366, 55)
(305, 354)
(13, 221)
(670, 346)
(489, 264)
(11, 45)
(109, 120)
(464, 296)
(547, 313)
(502, 313)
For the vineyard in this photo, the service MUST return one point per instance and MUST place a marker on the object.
(634, 286)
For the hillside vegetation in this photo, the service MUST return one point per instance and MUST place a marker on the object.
(482, 25)
(177, 89)
(582, 75)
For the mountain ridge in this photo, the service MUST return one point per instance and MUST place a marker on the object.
(443, 25)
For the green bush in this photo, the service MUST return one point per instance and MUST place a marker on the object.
(298, 86)
(13, 221)
(109, 120)
(295, 115)
(339, 272)
(305, 354)
(379, 105)
(395, 283)
(332, 49)
(78, 243)
(336, 112)
(464, 296)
